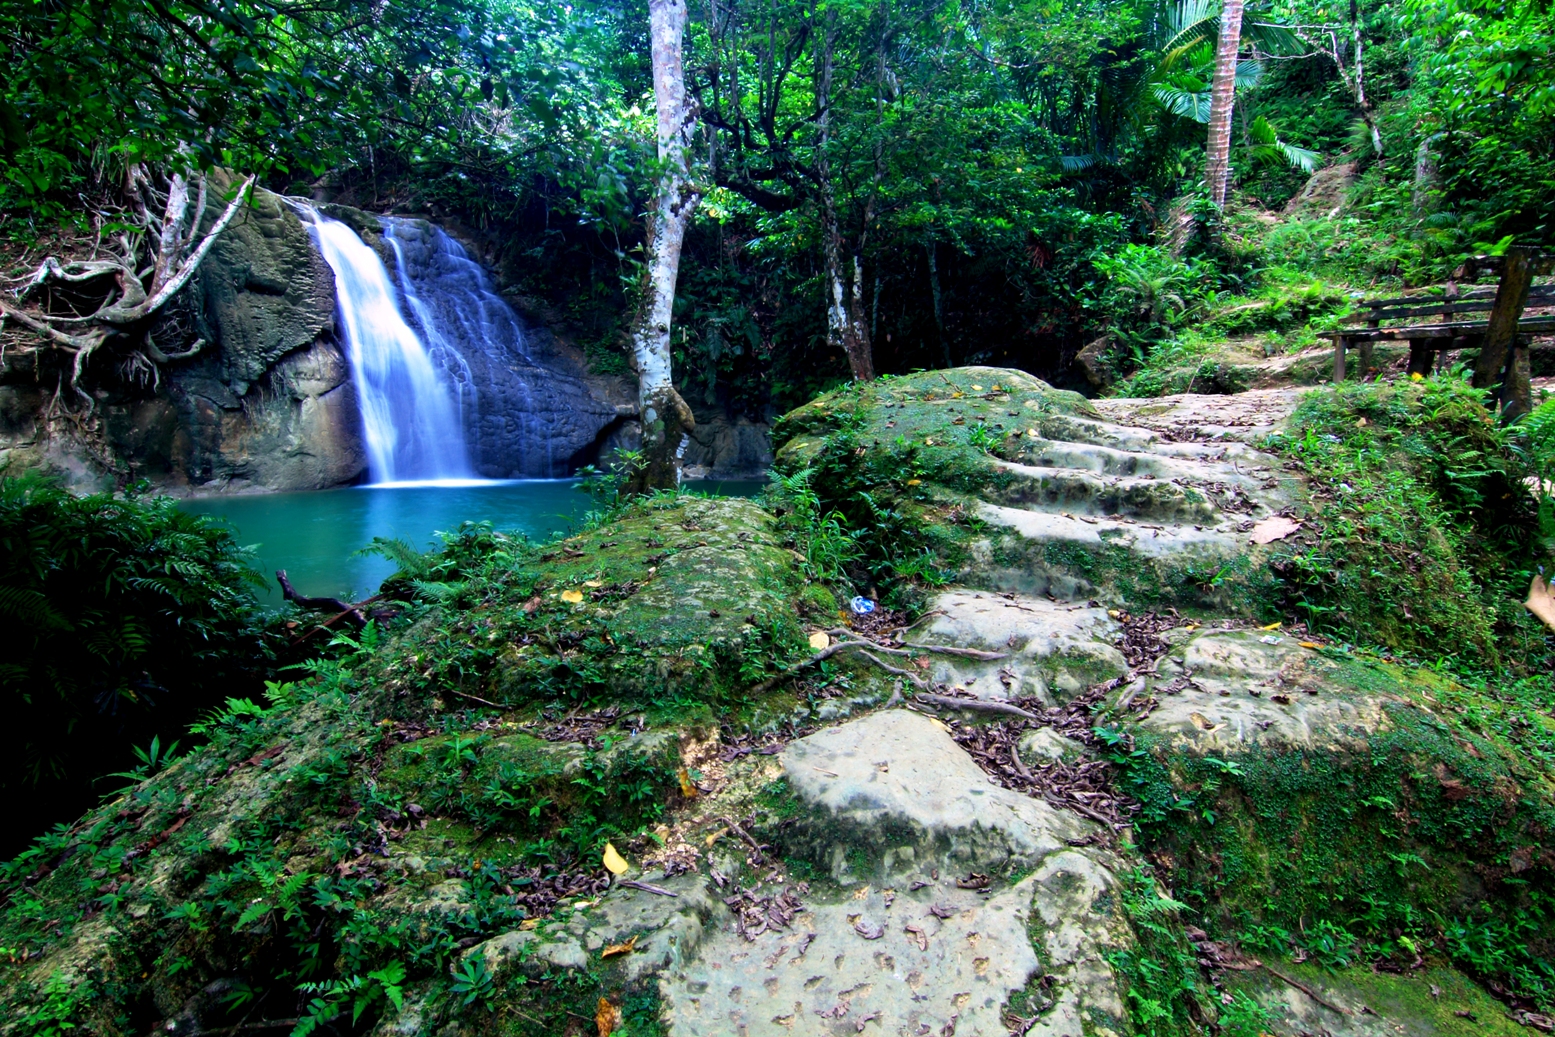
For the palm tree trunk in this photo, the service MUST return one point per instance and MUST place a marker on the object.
(1217, 155)
(665, 417)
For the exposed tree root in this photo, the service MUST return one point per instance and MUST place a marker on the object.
(127, 313)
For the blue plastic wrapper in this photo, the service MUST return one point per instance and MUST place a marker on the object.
(862, 606)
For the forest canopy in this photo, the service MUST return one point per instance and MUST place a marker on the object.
(975, 179)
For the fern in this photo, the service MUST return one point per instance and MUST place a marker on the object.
(128, 617)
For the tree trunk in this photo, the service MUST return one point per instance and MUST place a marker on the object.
(1501, 334)
(930, 248)
(665, 417)
(1217, 155)
(844, 307)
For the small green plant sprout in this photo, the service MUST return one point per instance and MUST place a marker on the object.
(152, 759)
(982, 438)
(358, 649)
(473, 982)
(1223, 766)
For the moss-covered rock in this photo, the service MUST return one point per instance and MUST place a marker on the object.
(1013, 485)
(1311, 797)
(439, 786)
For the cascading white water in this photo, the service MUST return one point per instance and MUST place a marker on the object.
(410, 416)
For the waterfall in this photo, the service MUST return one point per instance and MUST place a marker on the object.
(451, 385)
(517, 409)
(410, 410)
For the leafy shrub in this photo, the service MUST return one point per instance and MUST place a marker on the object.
(126, 617)
(1421, 528)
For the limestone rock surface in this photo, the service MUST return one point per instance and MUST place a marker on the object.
(901, 817)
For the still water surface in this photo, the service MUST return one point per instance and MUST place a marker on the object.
(316, 536)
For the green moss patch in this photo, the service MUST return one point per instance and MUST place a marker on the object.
(1411, 832)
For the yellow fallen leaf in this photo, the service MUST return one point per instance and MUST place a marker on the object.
(1361, 423)
(928, 442)
(619, 948)
(607, 1017)
(529, 923)
(957, 395)
(593, 583)
(614, 861)
(977, 388)
(717, 836)
(940, 724)
(1309, 644)
(819, 640)
(1114, 613)
(572, 597)
(687, 786)
(1272, 626)
(1417, 377)
(914, 482)
(1033, 433)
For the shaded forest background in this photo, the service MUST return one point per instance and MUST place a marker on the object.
(1008, 175)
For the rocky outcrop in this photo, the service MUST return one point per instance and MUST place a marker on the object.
(1071, 498)
(266, 403)
(1122, 819)
(896, 816)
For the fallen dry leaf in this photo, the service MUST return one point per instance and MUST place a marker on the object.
(593, 583)
(607, 1017)
(1204, 723)
(819, 640)
(614, 861)
(920, 936)
(1272, 626)
(687, 786)
(619, 948)
(1309, 644)
(868, 930)
(572, 597)
(1540, 602)
(1275, 527)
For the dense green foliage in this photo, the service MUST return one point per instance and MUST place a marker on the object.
(1002, 174)
(127, 617)
(1422, 533)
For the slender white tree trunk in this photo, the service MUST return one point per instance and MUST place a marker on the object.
(1217, 156)
(665, 417)
(844, 308)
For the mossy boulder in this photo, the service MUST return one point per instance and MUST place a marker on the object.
(435, 788)
(681, 602)
(1313, 797)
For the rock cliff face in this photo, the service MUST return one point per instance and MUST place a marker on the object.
(267, 403)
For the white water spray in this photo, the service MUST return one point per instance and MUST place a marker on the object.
(410, 418)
